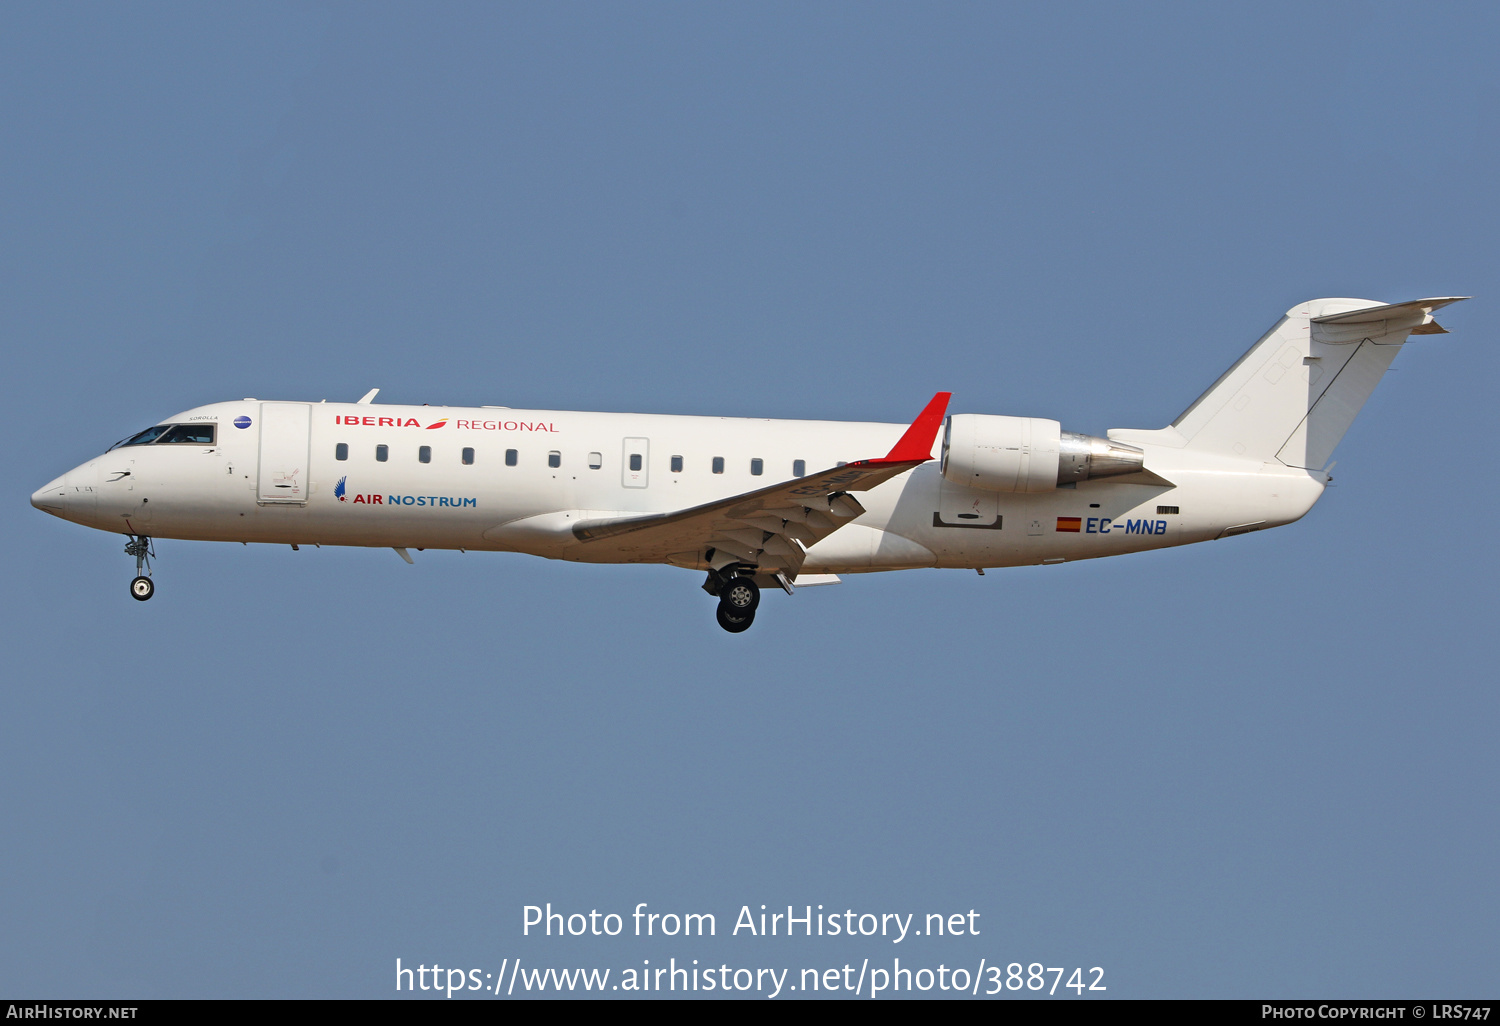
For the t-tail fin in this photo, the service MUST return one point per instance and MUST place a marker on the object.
(1297, 390)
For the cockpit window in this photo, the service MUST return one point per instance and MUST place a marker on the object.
(146, 437)
(169, 434)
(188, 434)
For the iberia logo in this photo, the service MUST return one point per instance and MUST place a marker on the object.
(352, 421)
(338, 489)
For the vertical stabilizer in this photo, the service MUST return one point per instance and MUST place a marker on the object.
(1295, 393)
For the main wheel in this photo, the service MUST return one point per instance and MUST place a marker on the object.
(740, 596)
(732, 623)
(141, 589)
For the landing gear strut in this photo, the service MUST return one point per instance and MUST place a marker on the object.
(738, 599)
(139, 546)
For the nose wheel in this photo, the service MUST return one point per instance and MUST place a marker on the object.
(738, 599)
(139, 546)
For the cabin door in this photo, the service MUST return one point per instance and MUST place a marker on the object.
(285, 446)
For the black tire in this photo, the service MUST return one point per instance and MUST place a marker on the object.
(141, 588)
(740, 596)
(731, 623)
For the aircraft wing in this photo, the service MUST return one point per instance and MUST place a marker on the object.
(771, 527)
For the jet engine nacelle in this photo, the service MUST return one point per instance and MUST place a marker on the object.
(1028, 454)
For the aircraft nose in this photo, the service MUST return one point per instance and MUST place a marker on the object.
(52, 496)
(70, 496)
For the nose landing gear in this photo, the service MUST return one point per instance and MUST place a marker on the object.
(738, 599)
(139, 546)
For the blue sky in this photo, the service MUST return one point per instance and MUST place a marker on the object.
(1259, 767)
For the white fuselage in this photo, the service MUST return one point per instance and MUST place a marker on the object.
(236, 490)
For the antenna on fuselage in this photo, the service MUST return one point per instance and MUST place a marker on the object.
(369, 397)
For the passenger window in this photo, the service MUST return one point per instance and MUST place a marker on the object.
(382, 453)
(676, 464)
(799, 468)
(341, 451)
(510, 457)
(635, 461)
(596, 460)
(188, 434)
(718, 464)
(468, 457)
(757, 467)
(554, 459)
(424, 454)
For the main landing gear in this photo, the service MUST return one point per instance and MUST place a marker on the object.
(139, 546)
(738, 599)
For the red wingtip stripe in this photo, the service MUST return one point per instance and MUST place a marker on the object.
(917, 443)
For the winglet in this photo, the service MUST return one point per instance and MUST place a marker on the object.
(916, 444)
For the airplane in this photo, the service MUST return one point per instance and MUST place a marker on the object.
(754, 504)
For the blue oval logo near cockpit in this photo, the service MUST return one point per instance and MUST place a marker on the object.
(242, 422)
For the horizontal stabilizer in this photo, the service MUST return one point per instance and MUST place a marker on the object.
(1374, 322)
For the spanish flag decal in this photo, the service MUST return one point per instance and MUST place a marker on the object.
(1071, 525)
